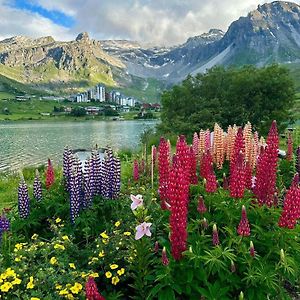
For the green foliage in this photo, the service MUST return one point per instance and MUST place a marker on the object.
(229, 96)
(78, 112)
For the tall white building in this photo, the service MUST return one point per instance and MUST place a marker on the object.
(100, 93)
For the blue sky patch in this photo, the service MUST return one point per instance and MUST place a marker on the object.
(55, 16)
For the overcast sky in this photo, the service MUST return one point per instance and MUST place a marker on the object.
(161, 22)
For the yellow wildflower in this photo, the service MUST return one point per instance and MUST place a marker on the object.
(58, 286)
(83, 275)
(70, 297)
(5, 287)
(121, 271)
(114, 266)
(53, 260)
(34, 298)
(118, 223)
(10, 272)
(30, 284)
(58, 246)
(95, 259)
(18, 246)
(101, 254)
(41, 243)
(115, 280)
(104, 235)
(16, 281)
(108, 274)
(94, 275)
(76, 288)
(105, 241)
(127, 233)
(63, 292)
(65, 238)
(35, 236)
(58, 220)
(72, 266)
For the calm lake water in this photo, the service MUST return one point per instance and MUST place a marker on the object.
(31, 143)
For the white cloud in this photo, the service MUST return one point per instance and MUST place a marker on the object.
(21, 22)
(148, 21)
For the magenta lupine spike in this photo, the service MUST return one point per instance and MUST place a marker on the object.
(298, 160)
(50, 177)
(265, 185)
(252, 250)
(136, 174)
(291, 208)
(37, 187)
(244, 227)
(248, 175)
(215, 236)
(163, 171)
(207, 141)
(23, 199)
(211, 185)
(237, 182)
(201, 206)
(289, 154)
(178, 194)
(206, 164)
(164, 257)
(183, 156)
(239, 146)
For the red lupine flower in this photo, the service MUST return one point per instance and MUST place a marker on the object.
(92, 291)
(207, 140)
(237, 182)
(164, 257)
(211, 185)
(291, 207)
(289, 154)
(163, 170)
(178, 195)
(136, 173)
(265, 185)
(252, 250)
(50, 178)
(248, 176)
(201, 206)
(196, 144)
(215, 236)
(239, 146)
(244, 227)
(183, 156)
(206, 164)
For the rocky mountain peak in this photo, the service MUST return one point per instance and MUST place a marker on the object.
(83, 37)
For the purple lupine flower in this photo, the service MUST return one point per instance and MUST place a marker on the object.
(23, 199)
(68, 160)
(89, 184)
(298, 160)
(77, 166)
(37, 187)
(4, 223)
(96, 167)
(74, 196)
(117, 177)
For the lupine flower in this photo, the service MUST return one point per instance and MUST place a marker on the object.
(178, 195)
(4, 223)
(193, 167)
(218, 146)
(248, 176)
(142, 167)
(201, 206)
(68, 159)
(74, 196)
(298, 160)
(37, 187)
(206, 164)
(201, 146)
(50, 177)
(137, 201)
(225, 182)
(241, 296)
(164, 257)
(92, 291)
(230, 138)
(183, 156)
(97, 172)
(237, 181)
(23, 199)
(244, 227)
(247, 134)
(156, 247)
(291, 209)
(239, 146)
(89, 183)
(265, 185)
(143, 229)
(136, 170)
(207, 140)
(252, 250)
(289, 154)
(196, 144)
(215, 236)
(163, 171)
(211, 185)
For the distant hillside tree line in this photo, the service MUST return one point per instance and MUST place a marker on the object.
(230, 96)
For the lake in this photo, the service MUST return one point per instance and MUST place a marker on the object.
(31, 143)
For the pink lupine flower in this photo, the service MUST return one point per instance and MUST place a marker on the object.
(143, 229)
(164, 257)
(215, 236)
(136, 173)
(136, 201)
(244, 227)
(201, 206)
